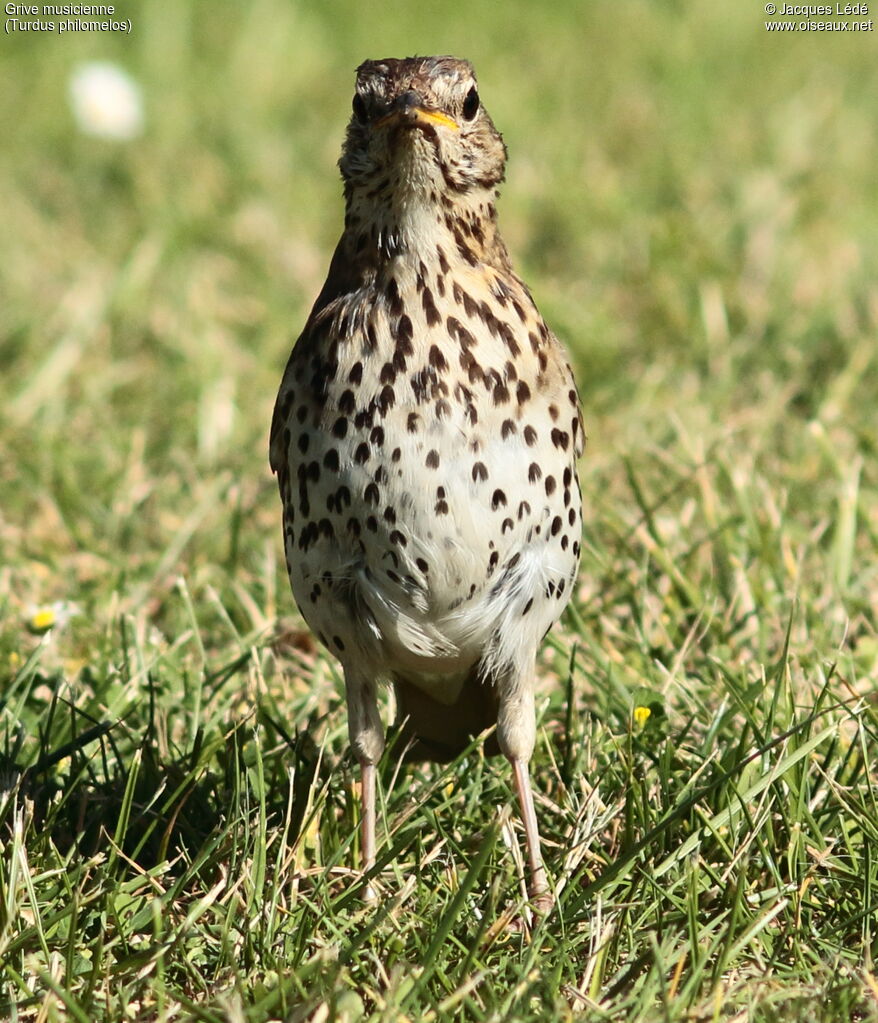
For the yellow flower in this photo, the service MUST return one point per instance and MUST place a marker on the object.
(42, 619)
(642, 715)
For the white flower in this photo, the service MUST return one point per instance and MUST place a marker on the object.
(41, 618)
(106, 101)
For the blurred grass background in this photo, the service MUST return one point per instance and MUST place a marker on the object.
(692, 200)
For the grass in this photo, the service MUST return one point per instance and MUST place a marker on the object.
(692, 200)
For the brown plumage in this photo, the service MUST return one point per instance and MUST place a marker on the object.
(425, 438)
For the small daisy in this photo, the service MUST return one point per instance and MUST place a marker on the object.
(106, 101)
(43, 617)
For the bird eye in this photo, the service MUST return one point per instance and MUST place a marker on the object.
(471, 104)
(359, 107)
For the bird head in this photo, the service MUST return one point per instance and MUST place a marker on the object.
(419, 127)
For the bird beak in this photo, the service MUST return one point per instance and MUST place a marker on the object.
(409, 109)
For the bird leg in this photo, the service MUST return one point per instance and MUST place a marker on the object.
(367, 823)
(367, 741)
(538, 889)
(516, 733)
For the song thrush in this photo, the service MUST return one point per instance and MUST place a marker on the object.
(425, 439)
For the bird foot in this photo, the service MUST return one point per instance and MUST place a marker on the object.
(542, 903)
(539, 907)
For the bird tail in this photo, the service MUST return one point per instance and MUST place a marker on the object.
(439, 731)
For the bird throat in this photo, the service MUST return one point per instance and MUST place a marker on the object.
(411, 212)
